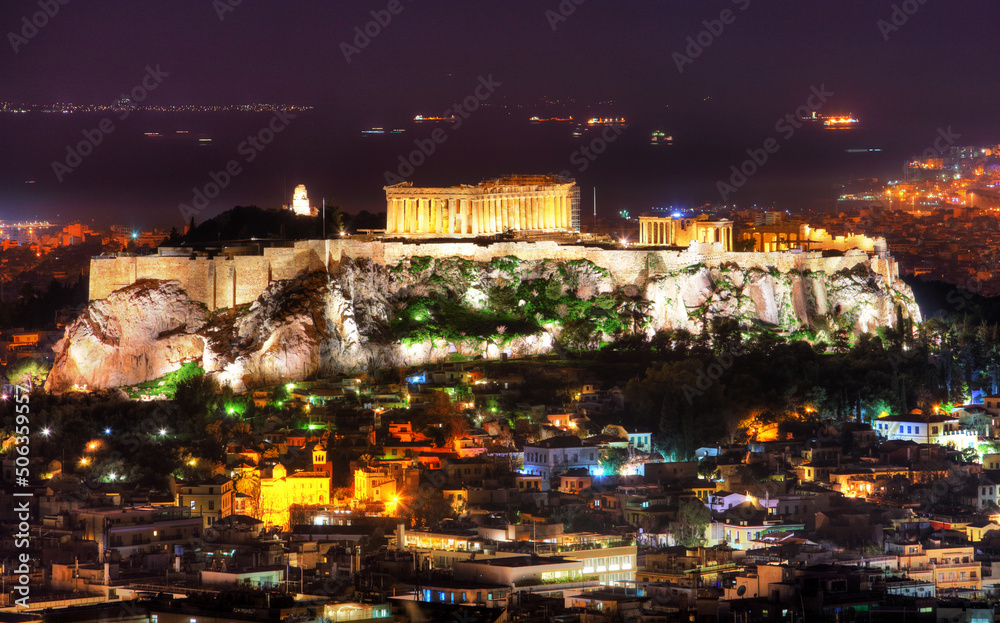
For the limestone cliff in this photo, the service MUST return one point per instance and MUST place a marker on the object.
(365, 314)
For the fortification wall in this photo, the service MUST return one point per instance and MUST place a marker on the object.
(227, 282)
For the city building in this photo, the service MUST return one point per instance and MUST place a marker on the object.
(941, 429)
(210, 499)
(553, 456)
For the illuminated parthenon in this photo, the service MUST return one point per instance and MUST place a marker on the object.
(539, 203)
(681, 232)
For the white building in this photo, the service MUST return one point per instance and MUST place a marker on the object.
(944, 430)
(555, 455)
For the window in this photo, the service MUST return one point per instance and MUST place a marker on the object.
(211, 505)
(918, 430)
(192, 504)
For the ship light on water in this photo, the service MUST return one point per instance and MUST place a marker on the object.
(844, 121)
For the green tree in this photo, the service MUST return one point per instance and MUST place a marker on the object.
(688, 529)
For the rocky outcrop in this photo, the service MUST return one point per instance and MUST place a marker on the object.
(370, 315)
(138, 333)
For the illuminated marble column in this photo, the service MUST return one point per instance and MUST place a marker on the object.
(529, 208)
(642, 232)
(390, 216)
(565, 205)
(474, 220)
(550, 212)
(452, 204)
(522, 213)
(439, 224)
(400, 215)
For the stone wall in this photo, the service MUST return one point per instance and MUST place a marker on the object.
(224, 282)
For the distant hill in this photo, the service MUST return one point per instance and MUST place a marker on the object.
(244, 222)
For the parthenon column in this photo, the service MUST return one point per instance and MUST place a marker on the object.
(565, 212)
(390, 217)
(522, 213)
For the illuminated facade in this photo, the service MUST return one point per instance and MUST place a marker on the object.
(280, 490)
(681, 232)
(211, 499)
(375, 486)
(538, 203)
(300, 202)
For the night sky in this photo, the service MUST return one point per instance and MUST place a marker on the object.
(936, 70)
